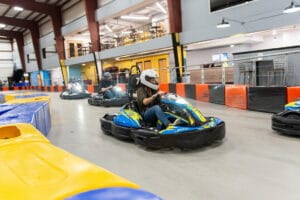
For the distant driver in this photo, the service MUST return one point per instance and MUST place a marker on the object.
(106, 86)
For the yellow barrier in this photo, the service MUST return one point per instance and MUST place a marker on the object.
(30, 100)
(33, 169)
(12, 96)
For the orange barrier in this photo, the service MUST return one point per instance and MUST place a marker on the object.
(59, 88)
(16, 88)
(202, 92)
(236, 96)
(52, 88)
(5, 88)
(293, 93)
(180, 89)
(123, 86)
(45, 88)
(90, 88)
(164, 87)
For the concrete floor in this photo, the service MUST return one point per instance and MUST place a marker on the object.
(253, 162)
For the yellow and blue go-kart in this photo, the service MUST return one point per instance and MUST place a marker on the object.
(194, 129)
(288, 121)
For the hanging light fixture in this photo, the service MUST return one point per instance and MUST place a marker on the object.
(108, 28)
(17, 8)
(134, 17)
(223, 24)
(161, 7)
(292, 8)
(2, 25)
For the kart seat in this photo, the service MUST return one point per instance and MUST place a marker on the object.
(133, 81)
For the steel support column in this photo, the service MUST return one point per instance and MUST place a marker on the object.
(55, 14)
(20, 43)
(34, 30)
(175, 20)
(90, 10)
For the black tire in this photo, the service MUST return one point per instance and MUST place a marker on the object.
(106, 123)
(116, 102)
(186, 140)
(74, 96)
(94, 102)
(287, 122)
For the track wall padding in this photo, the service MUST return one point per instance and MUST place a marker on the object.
(180, 89)
(164, 87)
(172, 87)
(236, 96)
(217, 94)
(267, 99)
(202, 92)
(90, 88)
(293, 94)
(190, 91)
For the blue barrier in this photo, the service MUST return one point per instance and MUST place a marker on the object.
(30, 96)
(37, 114)
(2, 98)
(115, 194)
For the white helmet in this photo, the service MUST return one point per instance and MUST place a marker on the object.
(146, 76)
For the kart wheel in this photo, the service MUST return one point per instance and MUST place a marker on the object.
(90, 101)
(287, 122)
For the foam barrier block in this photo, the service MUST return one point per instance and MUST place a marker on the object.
(202, 92)
(2, 98)
(116, 193)
(190, 91)
(37, 114)
(30, 96)
(217, 94)
(172, 88)
(267, 99)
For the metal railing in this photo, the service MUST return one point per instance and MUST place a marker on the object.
(134, 35)
(277, 69)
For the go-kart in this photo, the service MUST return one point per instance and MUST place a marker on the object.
(288, 121)
(120, 98)
(194, 129)
(76, 91)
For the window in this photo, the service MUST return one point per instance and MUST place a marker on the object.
(221, 4)
(72, 49)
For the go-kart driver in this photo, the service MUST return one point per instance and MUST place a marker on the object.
(148, 99)
(106, 86)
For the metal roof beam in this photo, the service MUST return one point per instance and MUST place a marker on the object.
(20, 43)
(90, 10)
(52, 10)
(35, 33)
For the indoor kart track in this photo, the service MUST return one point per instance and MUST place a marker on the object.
(252, 162)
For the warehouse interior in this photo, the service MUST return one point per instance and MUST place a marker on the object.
(232, 65)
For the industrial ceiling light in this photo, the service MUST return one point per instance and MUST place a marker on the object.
(223, 24)
(136, 17)
(17, 8)
(108, 28)
(161, 7)
(2, 25)
(292, 8)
